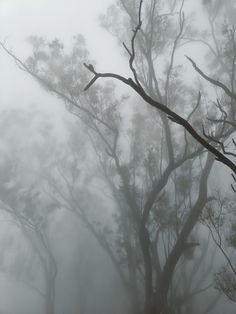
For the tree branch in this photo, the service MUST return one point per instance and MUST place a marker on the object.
(212, 81)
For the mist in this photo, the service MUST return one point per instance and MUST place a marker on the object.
(117, 157)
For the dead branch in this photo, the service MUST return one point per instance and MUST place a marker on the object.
(173, 116)
(212, 81)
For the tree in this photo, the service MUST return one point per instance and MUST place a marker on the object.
(172, 155)
(22, 198)
(222, 55)
(136, 86)
(220, 220)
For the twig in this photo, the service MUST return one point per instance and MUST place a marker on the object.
(212, 81)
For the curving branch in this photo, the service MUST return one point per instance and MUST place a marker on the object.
(132, 51)
(173, 116)
(212, 81)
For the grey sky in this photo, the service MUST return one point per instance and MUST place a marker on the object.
(62, 19)
(48, 18)
(55, 18)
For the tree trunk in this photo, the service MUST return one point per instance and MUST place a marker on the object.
(50, 295)
(180, 245)
(145, 247)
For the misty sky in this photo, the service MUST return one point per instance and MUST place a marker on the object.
(48, 18)
(53, 18)
(63, 19)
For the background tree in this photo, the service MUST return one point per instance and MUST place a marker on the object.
(21, 194)
(160, 161)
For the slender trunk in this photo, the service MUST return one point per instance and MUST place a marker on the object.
(180, 246)
(50, 270)
(145, 247)
(134, 300)
(135, 304)
(50, 294)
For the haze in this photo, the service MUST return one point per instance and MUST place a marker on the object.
(117, 194)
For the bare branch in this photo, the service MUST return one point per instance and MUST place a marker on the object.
(103, 75)
(181, 27)
(132, 51)
(173, 116)
(212, 81)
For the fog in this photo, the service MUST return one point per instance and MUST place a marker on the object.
(117, 190)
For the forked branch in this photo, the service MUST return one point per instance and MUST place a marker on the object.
(173, 116)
